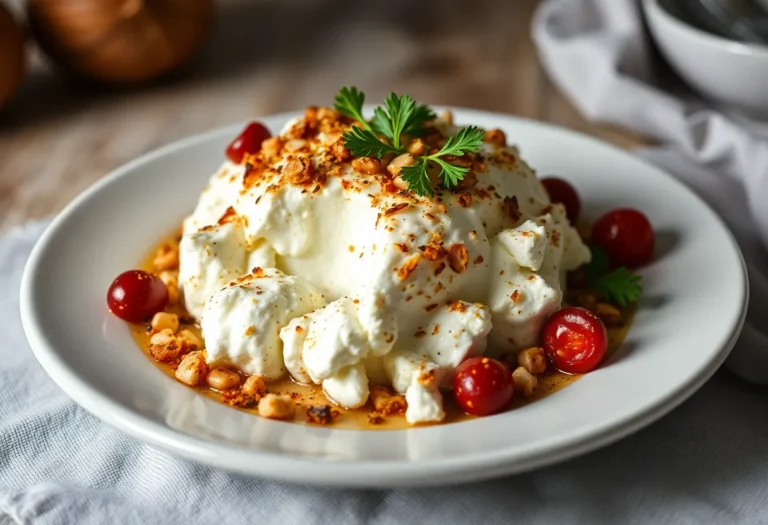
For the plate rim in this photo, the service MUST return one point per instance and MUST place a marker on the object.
(426, 472)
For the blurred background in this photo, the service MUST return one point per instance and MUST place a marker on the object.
(119, 78)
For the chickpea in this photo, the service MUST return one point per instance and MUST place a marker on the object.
(254, 386)
(173, 294)
(192, 369)
(340, 151)
(366, 165)
(329, 113)
(171, 280)
(533, 359)
(295, 145)
(386, 401)
(271, 147)
(495, 137)
(274, 406)
(166, 258)
(400, 183)
(223, 379)
(163, 337)
(168, 276)
(190, 339)
(165, 321)
(398, 163)
(588, 300)
(417, 147)
(299, 170)
(525, 382)
(380, 396)
(164, 346)
(608, 314)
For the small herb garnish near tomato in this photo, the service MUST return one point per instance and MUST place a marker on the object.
(627, 237)
(575, 340)
(136, 295)
(248, 142)
(562, 192)
(620, 286)
(483, 386)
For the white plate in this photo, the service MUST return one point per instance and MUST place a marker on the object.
(691, 313)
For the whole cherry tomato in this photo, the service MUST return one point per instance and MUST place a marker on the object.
(626, 235)
(136, 295)
(483, 386)
(249, 141)
(575, 340)
(562, 192)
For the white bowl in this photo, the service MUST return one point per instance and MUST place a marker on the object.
(724, 70)
(692, 311)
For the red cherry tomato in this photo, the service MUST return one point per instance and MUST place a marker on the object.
(626, 235)
(249, 141)
(136, 295)
(575, 340)
(562, 192)
(483, 386)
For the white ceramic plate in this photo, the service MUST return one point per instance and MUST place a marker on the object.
(691, 313)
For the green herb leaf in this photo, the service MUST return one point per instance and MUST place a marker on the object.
(381, 123)
(400, 111)
(402, 116)
(392, 123)
(416, 124)
(364, 143)
(450, 174)
(349, 101)
(621, 286)
(599, 265)
(417, 178)
(468, 140)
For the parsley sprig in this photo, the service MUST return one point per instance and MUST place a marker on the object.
(619, 286)
(402, 116)
(417, 176)
(364, 143)
(349, 101)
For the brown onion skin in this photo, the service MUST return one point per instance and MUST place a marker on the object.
(120, 41)
(12, 57)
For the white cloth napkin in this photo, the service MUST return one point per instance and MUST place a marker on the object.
(704, 463)
(598, 53)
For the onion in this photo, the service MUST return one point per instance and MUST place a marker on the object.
(120, 41)
(11, 55)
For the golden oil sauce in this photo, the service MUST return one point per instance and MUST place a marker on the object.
(309, 395)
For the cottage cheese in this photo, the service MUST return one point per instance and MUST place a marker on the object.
(383, 280)
(242, 321)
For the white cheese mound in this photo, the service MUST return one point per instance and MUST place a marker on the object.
(360, 280)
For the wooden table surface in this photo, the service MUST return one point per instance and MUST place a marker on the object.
(58, 136)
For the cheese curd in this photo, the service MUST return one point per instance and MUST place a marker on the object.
(348, 387)
(331, 345)
(526, 243)
(212, 256)
(366, 281)
(241, 322)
